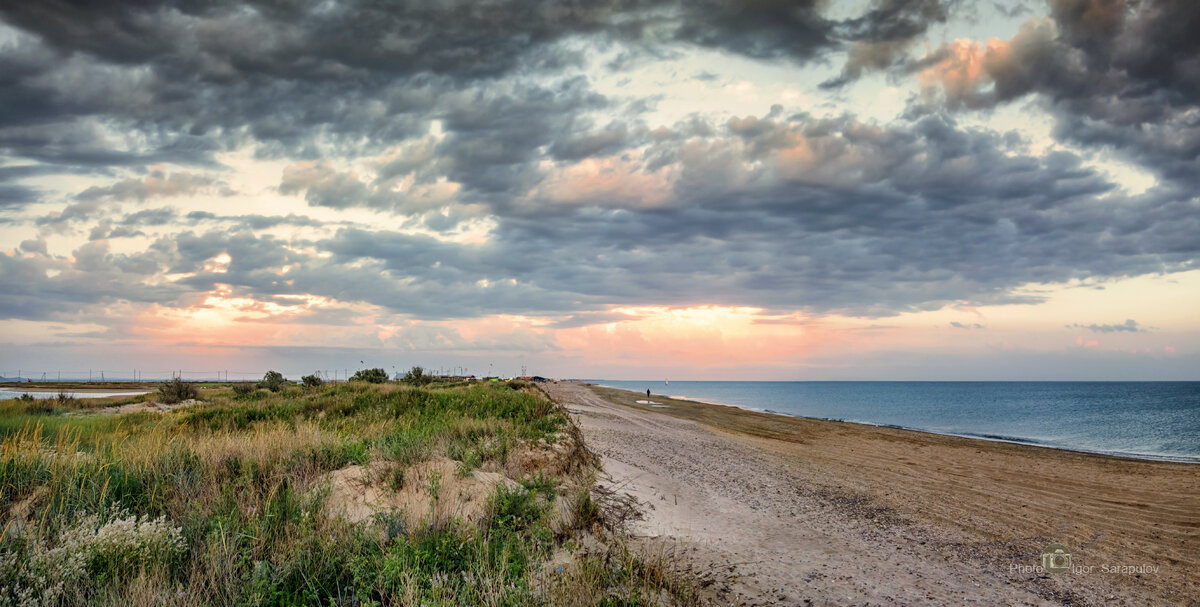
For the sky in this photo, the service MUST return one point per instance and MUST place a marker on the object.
(623, 189)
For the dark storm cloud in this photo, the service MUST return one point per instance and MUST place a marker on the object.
(881, 37)
(601, 142)
(495, 135)
(314, 40)
(28, 290)
(872, 221)
(785, 212)
(127, 85)
(196, 78)
(1117, 74)
(126, 227)
(762, 29)
(259, 222)
(79, 211)
(106, 231)
(155, 184)
(34, 246)
(14, 196)
(1129, 326)
(402, 273)
(494, 142)
(150, 217)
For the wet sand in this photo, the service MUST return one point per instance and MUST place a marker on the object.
(778, 510)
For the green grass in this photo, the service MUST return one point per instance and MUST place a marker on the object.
(224, 502)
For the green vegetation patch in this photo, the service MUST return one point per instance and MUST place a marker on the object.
(227, 501)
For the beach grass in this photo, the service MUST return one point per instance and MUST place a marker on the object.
(230, 501)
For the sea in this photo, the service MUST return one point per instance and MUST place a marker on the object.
(1150, 420)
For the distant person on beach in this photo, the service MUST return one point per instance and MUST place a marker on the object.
(647, 392)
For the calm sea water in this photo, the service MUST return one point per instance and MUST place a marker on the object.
(1158, 420)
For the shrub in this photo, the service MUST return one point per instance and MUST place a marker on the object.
(243, 388)
(416, 376)
(177, 390)
(395, 480)
(88, 555)
(63, 399)
(272, 381)
(514, 509)
(374, 376)
(45, 406)
(312, 381)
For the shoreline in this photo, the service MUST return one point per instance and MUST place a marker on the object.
(918, 517)
(1150, 457)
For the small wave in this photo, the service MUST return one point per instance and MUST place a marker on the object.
(1004, 438)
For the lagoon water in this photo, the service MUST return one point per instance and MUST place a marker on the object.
(7, 393)
(1159, 420)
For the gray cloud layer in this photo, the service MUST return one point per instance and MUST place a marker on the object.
(784, 211)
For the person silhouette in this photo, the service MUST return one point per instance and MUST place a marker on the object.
(647, 392)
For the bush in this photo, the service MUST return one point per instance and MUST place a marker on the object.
(177, 390)
(375, 376)
(312, 381)
(416, 376)
(87, 556)
(44, 406)
(272, 381)
(514, 509)
(243, 388)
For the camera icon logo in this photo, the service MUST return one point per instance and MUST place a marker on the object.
(1056, 558)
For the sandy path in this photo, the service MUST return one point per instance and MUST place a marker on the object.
(768, 522)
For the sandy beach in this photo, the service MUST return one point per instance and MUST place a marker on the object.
(770, 509)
